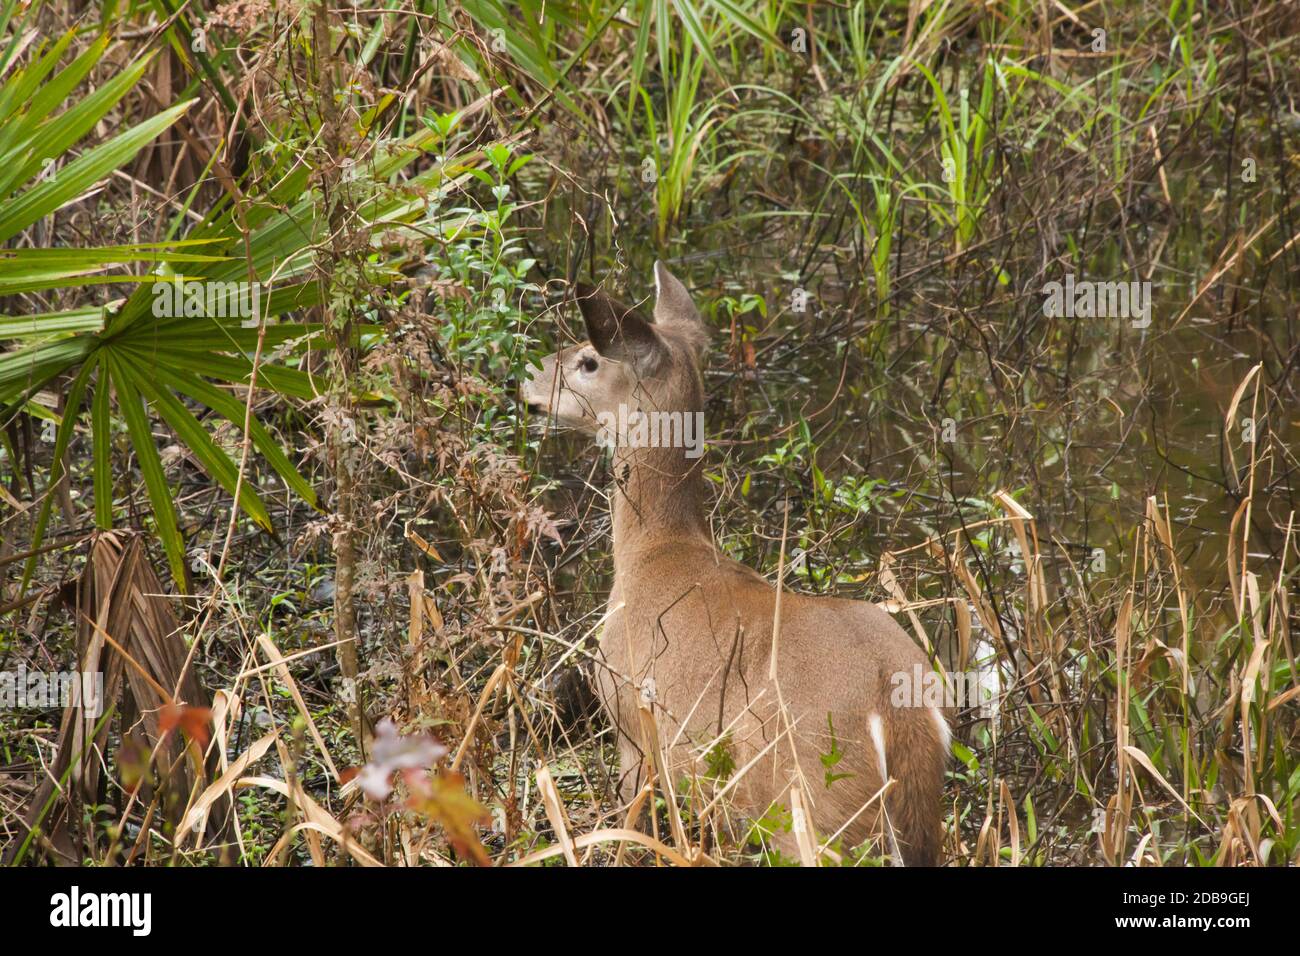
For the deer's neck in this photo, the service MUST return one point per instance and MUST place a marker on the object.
(658, 497)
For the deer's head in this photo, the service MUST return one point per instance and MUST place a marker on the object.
(631, 368)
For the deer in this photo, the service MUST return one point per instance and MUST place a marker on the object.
(714, 651)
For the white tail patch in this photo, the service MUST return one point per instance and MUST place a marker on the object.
(945, 734)
(877, 727)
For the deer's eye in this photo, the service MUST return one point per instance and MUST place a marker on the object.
(588, 365)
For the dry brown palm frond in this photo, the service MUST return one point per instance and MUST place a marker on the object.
(126, 632)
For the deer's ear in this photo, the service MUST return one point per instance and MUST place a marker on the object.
(617, 331)
(675, 309)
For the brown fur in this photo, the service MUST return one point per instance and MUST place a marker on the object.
(690, 631)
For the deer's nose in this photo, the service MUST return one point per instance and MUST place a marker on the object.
(518, 387)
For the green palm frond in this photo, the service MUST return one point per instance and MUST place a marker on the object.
(165, 362)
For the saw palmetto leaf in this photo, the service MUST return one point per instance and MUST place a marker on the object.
(170, 362)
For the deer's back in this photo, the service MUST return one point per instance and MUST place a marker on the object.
(695, 635)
